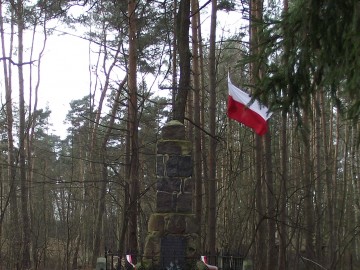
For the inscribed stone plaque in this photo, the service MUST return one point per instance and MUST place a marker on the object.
(173, 252)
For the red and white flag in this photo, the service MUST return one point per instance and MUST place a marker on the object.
(242, 109)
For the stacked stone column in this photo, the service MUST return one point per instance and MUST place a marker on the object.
(172, 239)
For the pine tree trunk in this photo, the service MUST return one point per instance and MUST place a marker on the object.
(203, 138)
(327, 141)
(197, 139)
(270, 200)
(282, 265)
(26, 263)
(260, 245)
(256, 10)
(182, 32)
(212, 129)
(282, 224)
(15, 232)
(174, 59)
(319, 180)
(133, 122)
(308, 184)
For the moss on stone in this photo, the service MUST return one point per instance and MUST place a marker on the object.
(173, 123)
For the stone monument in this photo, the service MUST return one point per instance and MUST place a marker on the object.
(172, 241)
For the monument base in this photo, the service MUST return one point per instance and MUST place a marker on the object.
(172, 241)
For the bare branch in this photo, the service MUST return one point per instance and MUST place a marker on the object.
(16, 64)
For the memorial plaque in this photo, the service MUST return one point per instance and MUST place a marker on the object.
(173, 252)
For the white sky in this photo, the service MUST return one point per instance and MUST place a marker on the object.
(65, 76)
(65, 68)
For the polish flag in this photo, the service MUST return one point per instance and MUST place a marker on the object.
(251, 114)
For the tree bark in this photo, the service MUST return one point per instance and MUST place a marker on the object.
(174, 60)
(197, 139)
(26, 263)
(330, 163)
(308, 186)
(256, 13)
(282, 265)
(102, 154)
(282, 224)
(133, 123)
(270, 200)
(11, 169)
(202, 135)
(182, 31)
(212, 129)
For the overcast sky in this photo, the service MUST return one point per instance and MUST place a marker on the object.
(65, 68)
(65, 76)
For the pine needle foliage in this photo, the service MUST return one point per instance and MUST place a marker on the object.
(315, 45)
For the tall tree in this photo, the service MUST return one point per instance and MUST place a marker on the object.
(282, 228)
(99, 145)
(256, 17)
(270, 203)
(26, 229)
(104, 179)
(133, 127)
(182, 32)
(195, 28)
(11, 169)
(212, 128)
